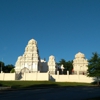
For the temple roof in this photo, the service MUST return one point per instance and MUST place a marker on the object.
(79, 55)
(32, 41)
(51, 57)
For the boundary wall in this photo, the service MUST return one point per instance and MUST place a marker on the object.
(25, 76)
(71, 78)
(7, 76)
(46, 77)
(36, 77)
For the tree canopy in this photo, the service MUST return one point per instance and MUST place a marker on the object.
(67, 65)
(94, 66)
(6, 68)
(12, 71)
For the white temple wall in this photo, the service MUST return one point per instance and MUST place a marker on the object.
(80, 68)
(35, 67)
(7, 76)
(36, 76)
(72, 78)
(29, 76)
(43, 76)
(1, 76)
(46, 77)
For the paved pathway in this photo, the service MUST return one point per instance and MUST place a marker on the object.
(67, 93)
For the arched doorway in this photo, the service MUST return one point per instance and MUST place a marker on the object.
(24, 70)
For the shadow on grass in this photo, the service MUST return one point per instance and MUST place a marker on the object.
(40, 84)
(95, 83)
(35, 86)
(0, 84)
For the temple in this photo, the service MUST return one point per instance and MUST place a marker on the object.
(52, 65)
(30, 61)
(30, 66)
(80, 64)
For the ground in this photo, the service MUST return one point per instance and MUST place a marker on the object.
(62, 93)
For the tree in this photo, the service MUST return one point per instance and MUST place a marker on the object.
(94, 66)
(67, 65)
(2, 65)
(62, 62)
(12, 71)
(8, 68)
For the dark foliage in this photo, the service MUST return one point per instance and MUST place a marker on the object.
(94, 66)
(6, 68)
(68, 66)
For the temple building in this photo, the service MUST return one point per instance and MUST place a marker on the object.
(30, 61)
(80, 64)
(29, 66)
(51, 65)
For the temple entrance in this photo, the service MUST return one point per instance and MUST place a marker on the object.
(24, 70)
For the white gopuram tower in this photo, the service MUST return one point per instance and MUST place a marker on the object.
(80, 64)
(51, 65)
(30, 60)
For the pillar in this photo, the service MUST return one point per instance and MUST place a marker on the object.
(67, 72)
(57, 72)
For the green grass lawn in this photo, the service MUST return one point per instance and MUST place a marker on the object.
(31, 84)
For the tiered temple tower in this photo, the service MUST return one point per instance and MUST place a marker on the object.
(80, 64)
(51, 65)
(30, 61)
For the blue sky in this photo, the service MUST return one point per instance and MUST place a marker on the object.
(61, 28)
